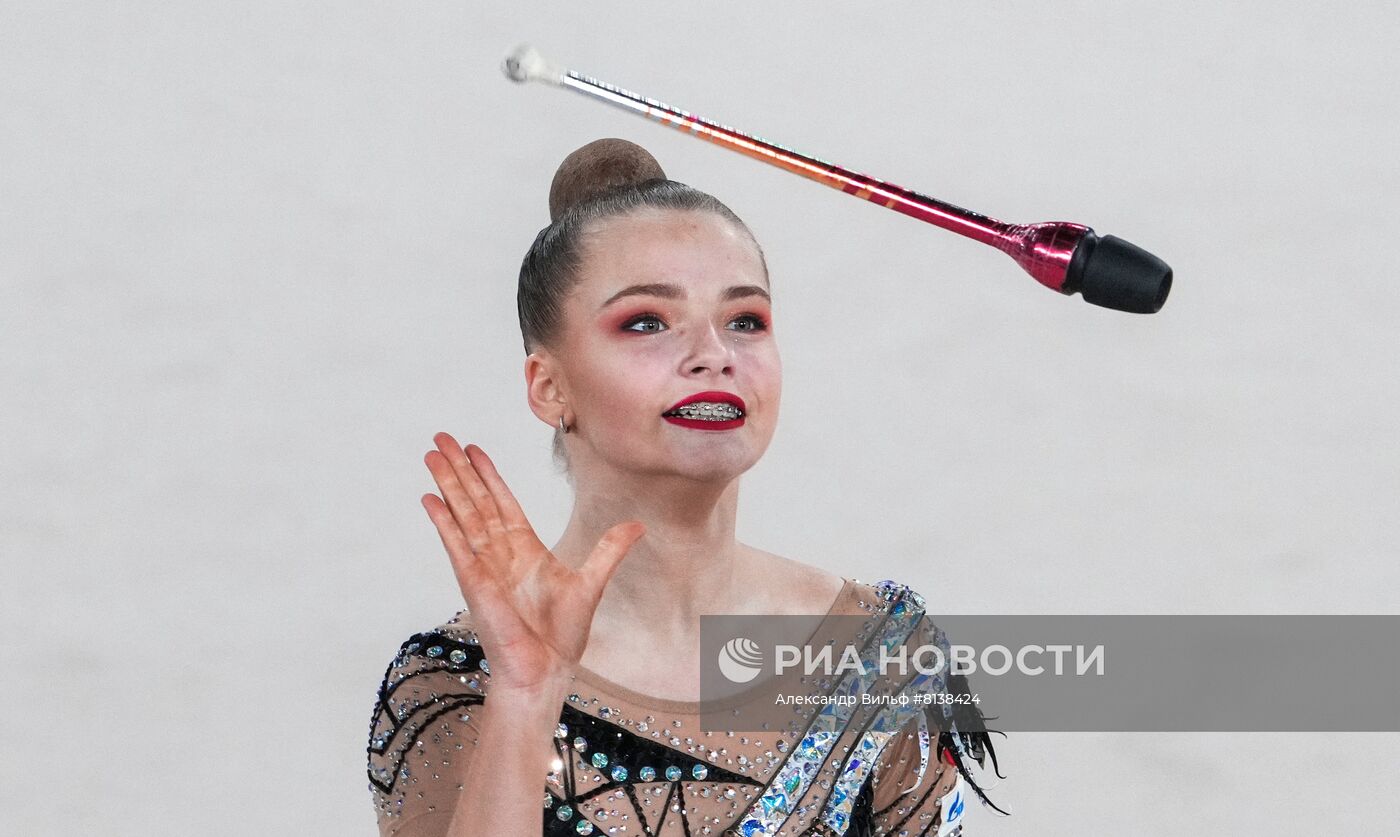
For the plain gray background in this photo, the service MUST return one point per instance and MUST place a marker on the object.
(254, 255)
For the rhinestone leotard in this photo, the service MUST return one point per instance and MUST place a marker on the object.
(641, 767)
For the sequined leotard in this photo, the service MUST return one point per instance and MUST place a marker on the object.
(636, 766)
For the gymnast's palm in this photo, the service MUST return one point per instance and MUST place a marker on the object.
(532, 612)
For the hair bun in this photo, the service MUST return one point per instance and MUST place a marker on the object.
(597, 167)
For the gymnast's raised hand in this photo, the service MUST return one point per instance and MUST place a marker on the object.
(532, 611)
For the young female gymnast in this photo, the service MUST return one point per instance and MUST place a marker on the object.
(565, 698)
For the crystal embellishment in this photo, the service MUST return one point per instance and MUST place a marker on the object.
(803, 775)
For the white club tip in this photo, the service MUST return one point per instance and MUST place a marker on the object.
(526, 64)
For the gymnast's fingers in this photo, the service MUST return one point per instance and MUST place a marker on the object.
(465, 563)
(598, 568)
(481, 499)
(457, 502)
(512, 516)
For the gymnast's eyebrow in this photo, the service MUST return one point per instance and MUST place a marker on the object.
(668, 291)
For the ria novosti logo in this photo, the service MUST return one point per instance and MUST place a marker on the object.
(741, 660)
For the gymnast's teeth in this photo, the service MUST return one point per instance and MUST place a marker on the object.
(707, 411)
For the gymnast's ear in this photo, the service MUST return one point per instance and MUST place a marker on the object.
(544, 386)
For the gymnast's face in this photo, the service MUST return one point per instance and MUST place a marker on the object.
(669, 304)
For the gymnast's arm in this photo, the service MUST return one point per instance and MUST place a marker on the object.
(451, 756)
(502, 795)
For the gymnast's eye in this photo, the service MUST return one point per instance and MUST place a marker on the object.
(759, 324)
(641, 318)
